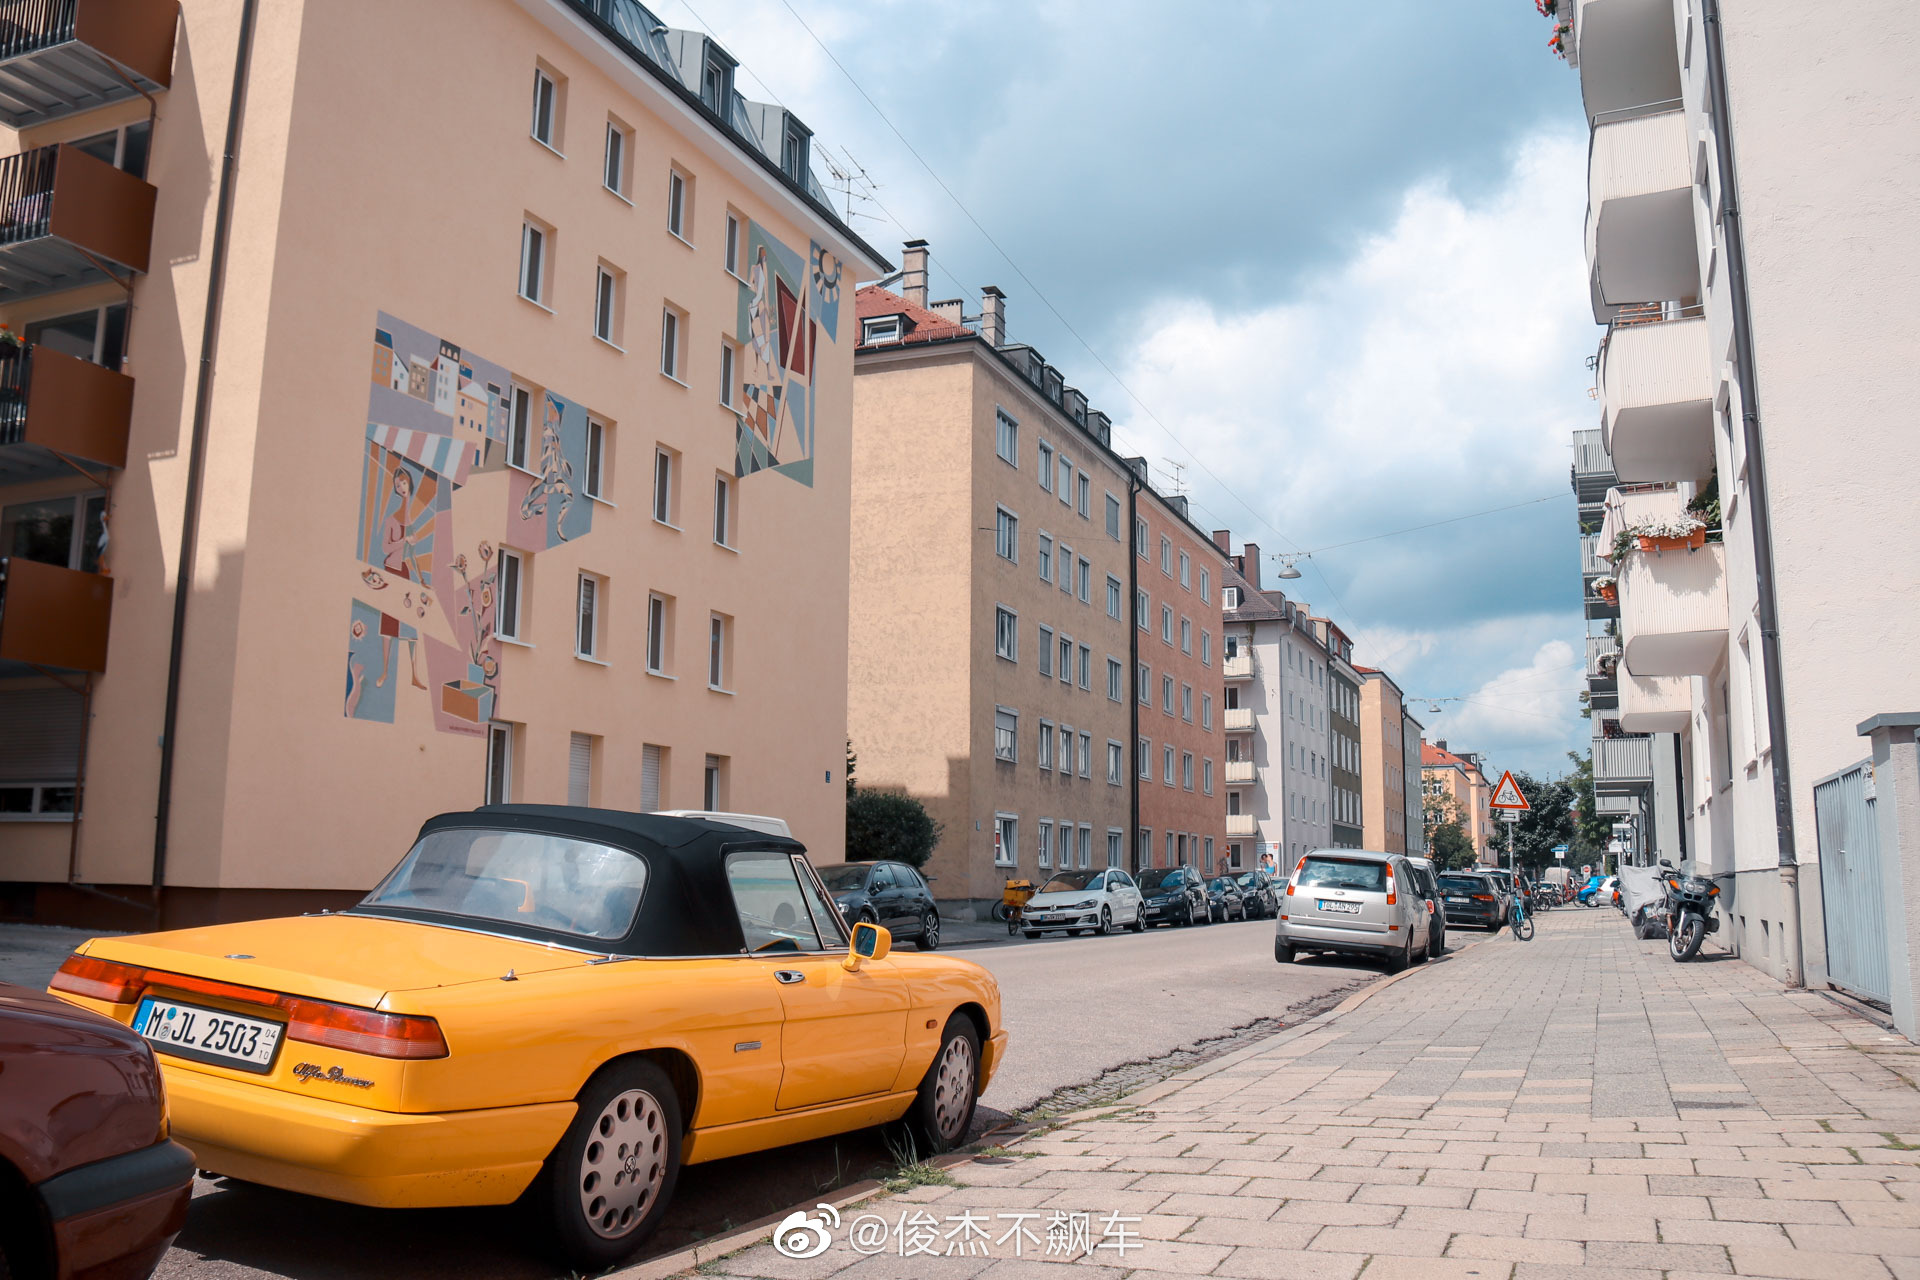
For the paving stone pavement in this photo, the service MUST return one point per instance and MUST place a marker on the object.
(1520, 1111)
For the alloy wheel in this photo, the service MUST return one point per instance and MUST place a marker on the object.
(624, 1164)
(1106, 921)
(930, 931)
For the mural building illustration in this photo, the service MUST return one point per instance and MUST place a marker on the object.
(426, 587)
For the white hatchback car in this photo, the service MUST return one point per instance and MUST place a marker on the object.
(1355, 902)
(1097, 901)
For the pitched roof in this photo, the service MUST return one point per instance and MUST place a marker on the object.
(921, 325)
(1432, 757)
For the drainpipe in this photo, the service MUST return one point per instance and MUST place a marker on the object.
(197, 455)
(1758, 515)
(1133, 664)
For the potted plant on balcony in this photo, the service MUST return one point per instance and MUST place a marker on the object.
(1562, 36)
(1607, 589)
(10, 344)
(1705, 507)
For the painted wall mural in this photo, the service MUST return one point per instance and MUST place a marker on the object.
(785, 306)
(426, 579)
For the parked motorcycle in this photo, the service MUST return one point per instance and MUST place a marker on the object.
(1690, 915)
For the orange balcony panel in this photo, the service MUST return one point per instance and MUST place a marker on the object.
(58, 57)
(54, 617)
(60, 404)
(68, 219)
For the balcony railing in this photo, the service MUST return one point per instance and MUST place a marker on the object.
(68, 219)
(1656, 394)
(1640, 241)
(53, 406)
(58, 57)
(1591, 565)
(1622, 760)
(1603, 657)
(1240, 824)
(1239, 772)
(1238, 666)
(54, 617)
(1237, 719)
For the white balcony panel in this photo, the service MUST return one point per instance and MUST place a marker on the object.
(1237, 719)
(1655, 704)
(1239, 772)
(1626, 52)
(1240, 824)
(1656, 396)
(1591, 565)
(1237, 667)
(1640, 242)
(1603, 652)
(1618, 761)
(1673, 610)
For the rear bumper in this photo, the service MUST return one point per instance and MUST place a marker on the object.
(991, 1054)
(1333, 938)
(342, 1152)
(114, 1218)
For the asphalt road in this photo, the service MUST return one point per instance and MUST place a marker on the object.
(1073, 1008)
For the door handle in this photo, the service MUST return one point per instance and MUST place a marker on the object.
(789, 976)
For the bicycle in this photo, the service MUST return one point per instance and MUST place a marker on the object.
(1518, 918)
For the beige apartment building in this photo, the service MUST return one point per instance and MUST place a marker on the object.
(478, 433)
(1456, 787)
(1383, 755)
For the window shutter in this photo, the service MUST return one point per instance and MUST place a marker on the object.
(649, 779)
(42, 741)
(580, 770)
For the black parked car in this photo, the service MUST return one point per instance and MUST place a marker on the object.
(1174, 895)
(1470, 898)
(1262, 894)
(890, 894)
(1426, 882)
(1224, 899)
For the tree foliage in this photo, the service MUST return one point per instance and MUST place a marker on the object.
(1449, 846)
(889, 825)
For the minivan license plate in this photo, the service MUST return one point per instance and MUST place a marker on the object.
(208, 1035)
(1340, 908)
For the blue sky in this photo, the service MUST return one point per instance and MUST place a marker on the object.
(1327, 256)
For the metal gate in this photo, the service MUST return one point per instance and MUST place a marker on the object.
(1851, 902)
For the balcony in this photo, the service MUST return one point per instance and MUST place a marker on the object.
(1592, 468)
(1673, 610)
(1239, 773)
(1656, 398)
(56, 408)
(1627, 54)
(1237, 719)
(53, 617)
(1622, 762)
(1237, 666)
(1240, 824)
(68, 219)
(58, 57)
(1655, 704)
(1603, 658)
(1640, 241)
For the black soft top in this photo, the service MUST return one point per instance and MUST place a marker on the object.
(686, 908)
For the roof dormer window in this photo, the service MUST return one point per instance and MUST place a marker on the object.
(793, 152)
(877, 329)
(716, 85)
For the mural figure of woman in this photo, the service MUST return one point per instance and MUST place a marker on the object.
(760, 312)
(396, 547)
(556, 477)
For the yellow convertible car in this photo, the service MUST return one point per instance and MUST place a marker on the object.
(562, 1003)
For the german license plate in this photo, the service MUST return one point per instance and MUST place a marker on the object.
(1340, 908)
(1461, 901)
(208, 1035)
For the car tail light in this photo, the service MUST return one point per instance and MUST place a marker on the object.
(1483, 897)
(1391, 896)
(99, 980)
(338, 1026)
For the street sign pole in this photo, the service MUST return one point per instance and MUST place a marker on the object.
(1510, 803)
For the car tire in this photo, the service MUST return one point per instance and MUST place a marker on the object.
(1282, 952)
(866, 916)
(1437, 946)
(1106, 922)
(1397, 961)
(1139, 924)
(1419, 956)
(942, 1111)
(929, 939)
(627, 1110)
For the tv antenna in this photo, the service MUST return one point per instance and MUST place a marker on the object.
(849, 179)
(1177, 470)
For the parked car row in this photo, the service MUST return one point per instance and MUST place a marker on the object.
(1106, 900)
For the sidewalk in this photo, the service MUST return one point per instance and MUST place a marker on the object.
(1516, 1112)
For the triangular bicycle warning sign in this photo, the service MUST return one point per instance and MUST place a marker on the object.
(1507, 795)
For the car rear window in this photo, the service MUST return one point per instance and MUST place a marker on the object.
(1462, 884)
(524, 878)
(1343, 873)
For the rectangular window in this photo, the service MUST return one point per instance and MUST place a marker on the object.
(722, 511)
(1066, 749)
(1086, 668)
(1166, 623)
(1143, 677)
(1186, 635)
(665, 491)
(1043, 843)
(1116, 764)
(677, 203)
(606, 306)
(1166, 768)
(713, 791)
(1046, 744)
(1229, 597)
(1086, 846)
(506, 622)
(1206, 711)
(1166, 694)
(1141, 609)
(1186, 570)
(1206, 648)
(1066, 568)
(1144, 751)
(1206, 777)
(732, 251)
(657, 635)
(533, 263)
(580, 769)
(1186, 703)
(1046, 558)
(1086, 582)
(1008, 439)
(1006, 634)
(1006, 840)
(1085, 495)
(1066, 660)
(1113, 847)
(1006, 734)
(1113, 597)
(1186, 770)
(1209, 848)
(717, 651)
(1206, 586)
(1046, 651)
(1166, 555)
(729, 379)
(1113, 517)
(1140, 537)
(1045, 466)
(670, 343)
(1116, 686)
(614, 173)
(546, 109)
(596, 457)
(1086, 755)
(499, 763)
(519, 427)
(587, 636)
(1065, 489)
(1006, 534)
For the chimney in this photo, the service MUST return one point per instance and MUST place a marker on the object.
(1223, 539)
(949, 309)
(1440, 744)
(1251, 550)
(913, 273)
(993, 316)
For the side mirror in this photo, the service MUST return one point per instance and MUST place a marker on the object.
(1668, 865)
(870, 942)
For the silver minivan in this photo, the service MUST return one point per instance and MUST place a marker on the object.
(1354, 902)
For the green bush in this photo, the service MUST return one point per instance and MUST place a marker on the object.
(891, 826)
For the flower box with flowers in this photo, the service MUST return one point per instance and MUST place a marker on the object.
(1607, 589)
